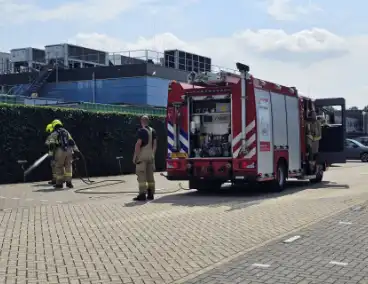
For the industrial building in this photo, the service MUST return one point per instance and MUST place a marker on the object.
(73, 56)
(185, 61)
(27, 59)
(132, 77)
(5, 63)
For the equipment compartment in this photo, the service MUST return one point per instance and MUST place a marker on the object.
(210, 128)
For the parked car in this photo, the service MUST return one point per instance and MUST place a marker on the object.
(356, 150)
(363, 140)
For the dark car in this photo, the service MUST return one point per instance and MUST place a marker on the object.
(356, 150)
(363, 140)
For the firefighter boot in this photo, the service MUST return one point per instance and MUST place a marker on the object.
(58, 186)
(140, 197)
(69, 184)
(150, 195)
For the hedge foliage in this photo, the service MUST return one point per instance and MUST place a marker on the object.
(101, 137)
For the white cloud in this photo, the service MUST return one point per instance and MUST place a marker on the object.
(286, 10)
(18, 11)
(323, 63)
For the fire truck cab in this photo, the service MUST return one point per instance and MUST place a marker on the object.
(229, 127)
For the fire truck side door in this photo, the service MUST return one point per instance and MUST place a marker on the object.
(332, 143)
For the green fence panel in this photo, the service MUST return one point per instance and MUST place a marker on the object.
(8, 99)
(137, 110)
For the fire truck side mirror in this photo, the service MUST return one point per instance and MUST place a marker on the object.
(242, 67)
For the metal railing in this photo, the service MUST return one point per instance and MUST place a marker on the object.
(145, 56)
(159, 58)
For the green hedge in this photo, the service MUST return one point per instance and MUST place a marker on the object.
(101, 137)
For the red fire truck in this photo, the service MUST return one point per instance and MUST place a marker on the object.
(229, 127)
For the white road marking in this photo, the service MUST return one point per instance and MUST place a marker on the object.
(338, 263)
(260, 265)
(28, 199)
(2, 197)
(59, 202)
(292, 239)
(345, 223)
(357, 208)
(15, 198)
(44, 200)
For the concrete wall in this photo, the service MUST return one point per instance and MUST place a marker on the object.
(137, 90)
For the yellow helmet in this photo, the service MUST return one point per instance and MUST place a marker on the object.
(56, 122)
(49, 128)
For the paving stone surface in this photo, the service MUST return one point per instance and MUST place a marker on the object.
(103, 237)
(332, 251)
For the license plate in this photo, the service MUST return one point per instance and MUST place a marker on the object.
(179, 155)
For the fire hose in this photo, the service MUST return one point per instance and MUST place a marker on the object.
(87, 179)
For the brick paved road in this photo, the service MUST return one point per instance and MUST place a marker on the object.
(332, 251)
(112, 240)
(33, 194)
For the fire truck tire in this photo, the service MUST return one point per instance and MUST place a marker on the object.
(204, 185)
(318, 178)
(280, 182)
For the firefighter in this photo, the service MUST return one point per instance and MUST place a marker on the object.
(49, 130)
(63, 146)
(144, 160)
(314, 132)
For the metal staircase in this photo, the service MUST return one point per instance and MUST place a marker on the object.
(40, 81)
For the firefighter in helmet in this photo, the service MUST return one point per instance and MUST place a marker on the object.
(63, 146)
(49, 130)
(314, 134)
(144, 160)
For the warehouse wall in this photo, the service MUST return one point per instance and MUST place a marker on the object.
(157, 90)
(137, 90)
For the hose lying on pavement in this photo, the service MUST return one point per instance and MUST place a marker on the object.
(102, 183)
(87, 180)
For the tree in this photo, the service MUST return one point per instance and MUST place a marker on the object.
(365, 109)
(353, 108)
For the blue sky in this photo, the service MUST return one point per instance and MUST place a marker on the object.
(192, 21)
(297, 42)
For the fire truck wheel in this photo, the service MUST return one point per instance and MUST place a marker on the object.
(204, 185)
(319, 177)
(280, 181)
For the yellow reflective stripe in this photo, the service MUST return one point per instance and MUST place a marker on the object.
(68, 174)
(151, 185)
